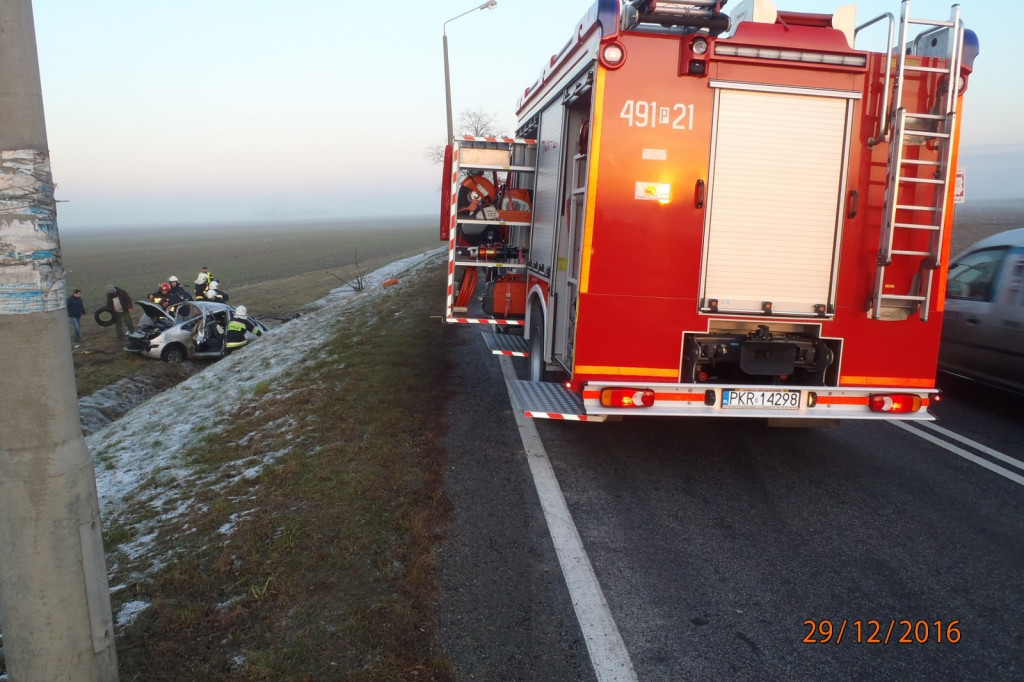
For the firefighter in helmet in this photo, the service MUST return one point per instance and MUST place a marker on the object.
(160, 295)
(213, 293)
(238, 328)
(177, 298)
(203, 280)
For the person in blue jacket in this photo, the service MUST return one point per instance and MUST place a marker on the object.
(76, 308)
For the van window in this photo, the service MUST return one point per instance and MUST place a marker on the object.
(972, 277)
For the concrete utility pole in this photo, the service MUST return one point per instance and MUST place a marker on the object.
(54, 598)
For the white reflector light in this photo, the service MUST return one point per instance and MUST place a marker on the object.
(612, 55)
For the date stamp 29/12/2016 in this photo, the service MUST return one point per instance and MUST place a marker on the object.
(892, 631)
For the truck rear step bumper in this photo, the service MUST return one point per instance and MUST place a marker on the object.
(507, 344)
(545, 400)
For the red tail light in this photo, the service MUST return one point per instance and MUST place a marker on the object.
(900, 403)
(627, 397)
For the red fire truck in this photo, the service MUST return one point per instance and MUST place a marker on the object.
(711, 214)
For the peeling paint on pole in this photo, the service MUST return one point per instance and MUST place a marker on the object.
(31, 273)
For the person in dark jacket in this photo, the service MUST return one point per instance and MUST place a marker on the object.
(120, 304)
(177, 295)
(76, 308)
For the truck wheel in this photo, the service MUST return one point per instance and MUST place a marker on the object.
(537, 365)
(174, 354)
(104, 316)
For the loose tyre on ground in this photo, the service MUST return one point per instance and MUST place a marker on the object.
(104, 316)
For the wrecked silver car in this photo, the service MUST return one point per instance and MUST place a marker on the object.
(196, 329)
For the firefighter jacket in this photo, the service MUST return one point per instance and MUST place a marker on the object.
(177, 294)
(237, 329)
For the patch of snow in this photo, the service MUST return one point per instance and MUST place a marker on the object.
(126, 616)
(109, 403)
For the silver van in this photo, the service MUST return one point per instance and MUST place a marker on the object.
(983, 328)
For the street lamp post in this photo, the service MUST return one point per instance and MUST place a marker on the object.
(447, 78)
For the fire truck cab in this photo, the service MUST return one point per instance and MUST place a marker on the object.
(704, 213)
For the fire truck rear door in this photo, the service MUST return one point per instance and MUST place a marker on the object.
(777, 171)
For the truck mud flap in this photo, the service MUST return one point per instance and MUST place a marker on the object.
(507, 344)
(546, 400)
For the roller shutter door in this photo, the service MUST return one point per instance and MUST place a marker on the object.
(775, 200)
(545, 198)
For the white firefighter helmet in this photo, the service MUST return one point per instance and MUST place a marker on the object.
(240, 311)
(201, 279)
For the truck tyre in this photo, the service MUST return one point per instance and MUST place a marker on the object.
(174, 354)
(104, 316)
(537, 364)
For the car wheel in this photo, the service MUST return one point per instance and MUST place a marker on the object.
(174, 354)
(104, 316)
(537, 365)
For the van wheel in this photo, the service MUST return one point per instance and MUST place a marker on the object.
(537, 365)
(174, 354)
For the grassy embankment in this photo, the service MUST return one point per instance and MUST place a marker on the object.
(329, 571)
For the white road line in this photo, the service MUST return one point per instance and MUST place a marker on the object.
(608, 654)
(991, 466)
(970, 443)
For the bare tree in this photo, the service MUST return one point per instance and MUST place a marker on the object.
(476, 122)
(358, 283)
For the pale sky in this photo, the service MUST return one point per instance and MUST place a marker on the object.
(197, 111)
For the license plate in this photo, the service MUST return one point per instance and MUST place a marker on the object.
(760, 399)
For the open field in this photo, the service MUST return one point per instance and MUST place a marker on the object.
(287, 264)
(981, 219)
(274, 269)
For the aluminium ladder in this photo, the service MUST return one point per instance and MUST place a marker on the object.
(938, 127)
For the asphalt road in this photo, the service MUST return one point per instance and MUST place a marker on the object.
(726, 550)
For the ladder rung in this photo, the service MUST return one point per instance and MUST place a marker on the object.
(918, 162)
(926, 69)
(897, 297)
(916, 226)
(901, 252)
(924, 133)
(906, 252)
(931, 22)
(923, 181)
(906, 207)
(931, 117)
